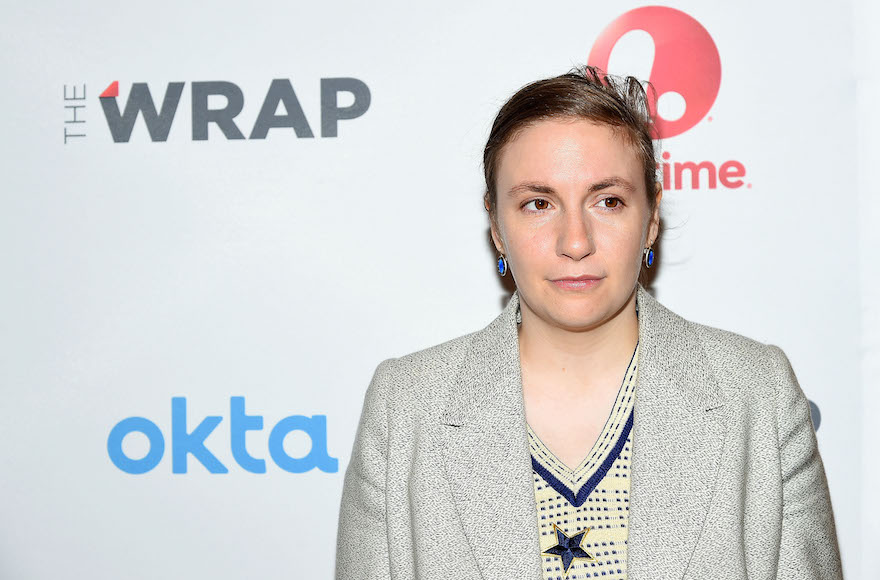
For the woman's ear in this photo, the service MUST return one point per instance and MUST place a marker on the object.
(654, 228)
(496, 239)
(493, 230)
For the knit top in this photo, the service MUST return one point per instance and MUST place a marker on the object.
(583, 513)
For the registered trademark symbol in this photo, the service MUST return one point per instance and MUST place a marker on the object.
(709, 119)
(748, 186)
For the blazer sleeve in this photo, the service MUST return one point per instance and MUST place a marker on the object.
(809, 548)
(362, 538)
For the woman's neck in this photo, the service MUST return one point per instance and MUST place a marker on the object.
(582, 358)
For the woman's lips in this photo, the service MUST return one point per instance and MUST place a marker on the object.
(576, 283)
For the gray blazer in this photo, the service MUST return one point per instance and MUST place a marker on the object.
(726, 484)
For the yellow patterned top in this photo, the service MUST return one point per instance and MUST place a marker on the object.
(582, 513)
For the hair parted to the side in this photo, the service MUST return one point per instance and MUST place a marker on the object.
(585, 92)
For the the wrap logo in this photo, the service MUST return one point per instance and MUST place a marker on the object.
(685, 69)
(217, 103)
(185, 442)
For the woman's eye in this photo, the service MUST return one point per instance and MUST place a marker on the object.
(539, 204)
(612, 202)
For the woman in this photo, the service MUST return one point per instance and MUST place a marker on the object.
(587, 431)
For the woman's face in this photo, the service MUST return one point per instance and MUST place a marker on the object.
(572, 202)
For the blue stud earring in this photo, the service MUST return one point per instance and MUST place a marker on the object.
(649, 257)
(502, 265)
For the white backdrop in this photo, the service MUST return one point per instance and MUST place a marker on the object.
(283, 269)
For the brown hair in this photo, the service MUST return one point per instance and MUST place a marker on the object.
(585, 92)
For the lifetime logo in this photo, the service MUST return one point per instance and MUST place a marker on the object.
(185, 443)
(140, 102)
(685, 70)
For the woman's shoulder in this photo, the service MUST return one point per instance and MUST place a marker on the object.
(442, 362)
(437, 361)
(416, 386)
(723, 342)
(424, 376)
(718, 344)
(744, 364)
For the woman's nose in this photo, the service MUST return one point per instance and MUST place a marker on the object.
(575, 236)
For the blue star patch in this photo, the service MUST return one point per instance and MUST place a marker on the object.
(568, 548)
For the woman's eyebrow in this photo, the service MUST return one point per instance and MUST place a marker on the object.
(538, 187)
(532, 186)
(611, 182)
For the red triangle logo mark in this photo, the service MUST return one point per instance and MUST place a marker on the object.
(111, 91)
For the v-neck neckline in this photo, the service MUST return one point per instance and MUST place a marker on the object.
(600, 445)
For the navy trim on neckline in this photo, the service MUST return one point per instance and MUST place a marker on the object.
(590, 485)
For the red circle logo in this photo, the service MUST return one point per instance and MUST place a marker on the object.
(686, 61)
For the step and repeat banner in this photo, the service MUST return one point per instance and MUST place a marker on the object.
(217, 219)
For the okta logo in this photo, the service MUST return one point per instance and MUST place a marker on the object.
(185, 443)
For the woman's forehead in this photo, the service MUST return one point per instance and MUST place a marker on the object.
(570, 151)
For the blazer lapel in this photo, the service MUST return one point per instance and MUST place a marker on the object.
(487, 456)
(678, 435)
